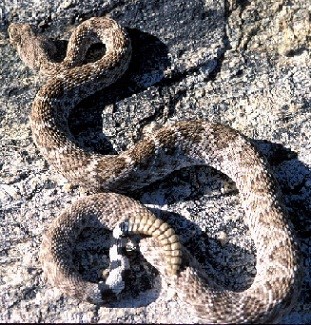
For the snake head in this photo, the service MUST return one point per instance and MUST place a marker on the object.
(19, 32)
(32, 49)
(23, 38)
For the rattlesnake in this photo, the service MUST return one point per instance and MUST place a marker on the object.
(170, 148)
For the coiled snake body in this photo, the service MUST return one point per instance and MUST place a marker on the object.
(170, 148)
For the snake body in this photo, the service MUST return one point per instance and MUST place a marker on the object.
(170, 148)
(101, 210)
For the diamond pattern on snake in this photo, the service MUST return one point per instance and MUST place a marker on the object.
(174, 146)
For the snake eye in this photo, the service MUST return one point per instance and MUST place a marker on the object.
(14, 35)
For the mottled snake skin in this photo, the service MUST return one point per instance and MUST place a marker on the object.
(172, 147)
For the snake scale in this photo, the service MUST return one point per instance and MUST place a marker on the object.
(172, 147)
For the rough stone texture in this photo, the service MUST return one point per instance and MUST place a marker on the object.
(243, 63)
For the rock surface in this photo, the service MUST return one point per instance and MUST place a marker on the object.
(242, 63)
